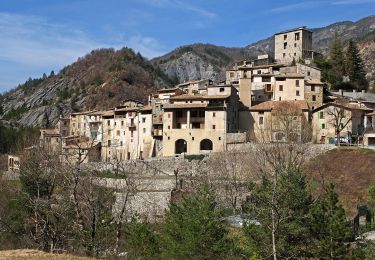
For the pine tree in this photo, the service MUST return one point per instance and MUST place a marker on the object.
(337, 61)
(193, 229)
(330, 227)
(354, 67)
(291, 222)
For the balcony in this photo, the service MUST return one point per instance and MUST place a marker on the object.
(157, 132)
(131, 125)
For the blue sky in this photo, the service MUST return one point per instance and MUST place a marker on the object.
(38, 36)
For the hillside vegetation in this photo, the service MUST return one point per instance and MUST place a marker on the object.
(351, 169)
(105, 77)
(99, 80)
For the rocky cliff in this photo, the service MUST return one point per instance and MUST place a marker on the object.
(105, 77)
(99, 80)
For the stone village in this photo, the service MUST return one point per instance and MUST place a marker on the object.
(200, 117)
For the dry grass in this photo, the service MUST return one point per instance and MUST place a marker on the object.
(351, 169)
(36, 255)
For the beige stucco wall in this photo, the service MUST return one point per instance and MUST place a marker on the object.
(323, 134)
(295, 48)
(289, 89)
(193, 137)
(318, 93)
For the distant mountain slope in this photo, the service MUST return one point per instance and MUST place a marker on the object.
(198, 61)
(205, 60)
(105, 77)
(100, 80)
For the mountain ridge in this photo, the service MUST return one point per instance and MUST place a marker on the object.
(105, 77)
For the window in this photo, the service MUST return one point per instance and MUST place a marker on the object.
(323, 126)
(280, 87)
(252, 97)
(219, 138)
(131, 133)
(179, 114)
(283, 55)
(213, 126)
(261, 120)
(297, 93)
(144, 130)
(259, 72)
(213, 114)
(194, 113)
(321, 115)
(109, 142)
(231, 74)
(120, 143)
(169, 138)
(295, 45)
(201, 113)
(308, 73)
(313, 98)
(143, 120)
(297, 83)
(108, 122)
(295, 54)
(122, 123)
(192, 138)
(169, 115)
(285, 36)
(296, 36)
(285, 45)
(222, 89)
(115, 123)
(169, 127)
(312, 88)
(118, 133)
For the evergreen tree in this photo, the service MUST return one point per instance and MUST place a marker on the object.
(291, 206)
(193, 229)
(337, 61)
(354, 67)
(330, 227)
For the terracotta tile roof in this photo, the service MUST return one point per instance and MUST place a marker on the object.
(192, 82)
(314, 82)
(371, 114)
(183, 105)
(347, 106)
(167, 90)
(146, 108)
(269, 105)
(82, 113)
(290, 75)
(198, 97)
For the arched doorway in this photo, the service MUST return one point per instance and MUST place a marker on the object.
(206, 145)
(180, 146)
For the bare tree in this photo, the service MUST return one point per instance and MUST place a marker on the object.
(282, 143)
(340, 117)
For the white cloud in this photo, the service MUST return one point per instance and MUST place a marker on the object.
(147, 46)
(297, 6)
(31, 45)
(181, 5)
(353, 2)
(33, 41)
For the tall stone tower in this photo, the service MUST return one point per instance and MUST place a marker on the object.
(294, 44)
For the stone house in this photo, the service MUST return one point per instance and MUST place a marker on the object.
(279, 121)
(347, 116)
(293, 45)
(197, 123)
